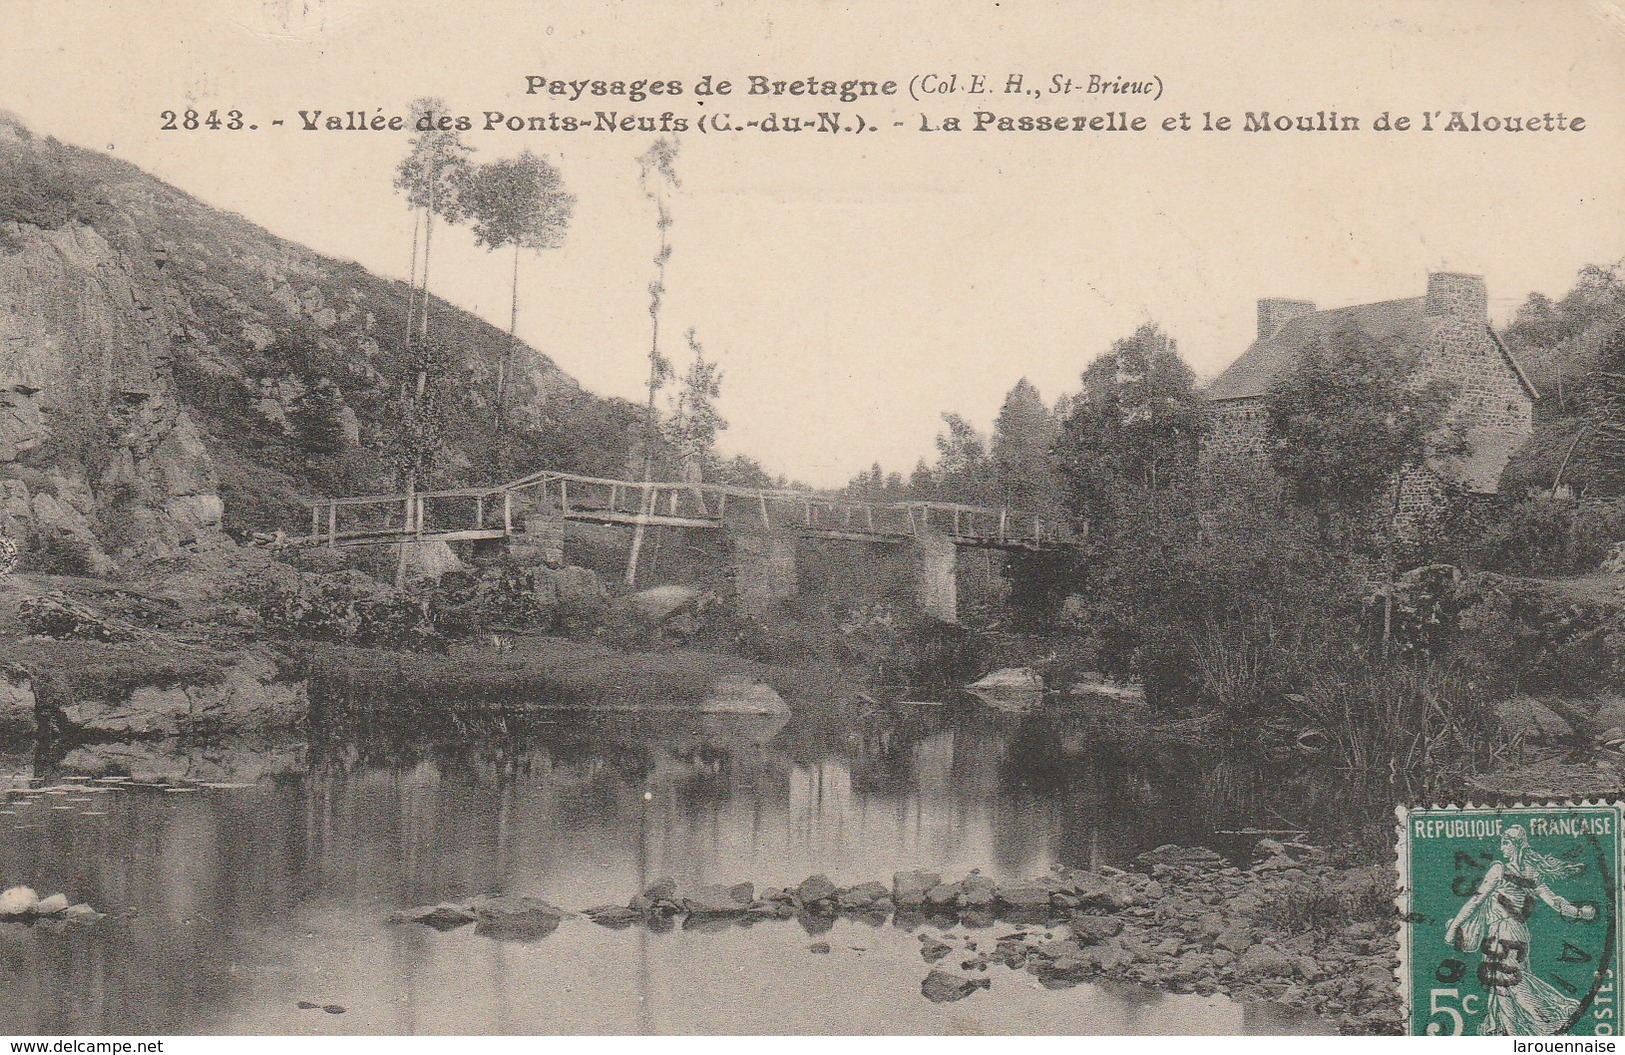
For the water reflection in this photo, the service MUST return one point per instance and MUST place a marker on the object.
(231, 905)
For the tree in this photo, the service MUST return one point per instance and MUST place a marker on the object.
(657, 174)
(1348, 418)
(1024, 436)
(1571, 349)
(519, 202)
(317, 417)
(429, 175)
(963, 472)
(1135, 426)
(695, 421)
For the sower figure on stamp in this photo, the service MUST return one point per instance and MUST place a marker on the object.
(1493, 922)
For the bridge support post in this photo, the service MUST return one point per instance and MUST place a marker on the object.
(936, 581)
(764, 568)
(542, 538)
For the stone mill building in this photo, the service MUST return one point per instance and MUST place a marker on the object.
(1448, 331)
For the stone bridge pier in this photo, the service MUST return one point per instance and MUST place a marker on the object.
(763, 563)
(936, 567)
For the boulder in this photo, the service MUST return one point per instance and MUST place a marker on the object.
(861, 896)
(18, 901)
(1112, 893)
(1024, 896)
(1092, 930)
(58, 616)
(1263, 961)
(444, 916)
(735, 694)
(1170, 854)
(17, 703)
(977, 891)
(16, 508)
(516, 917)
(1235, 938)
(814, 889)
(613, 915)
(1537, 722)
(247, 696)
(1009, 678)
(717, 900)
(429, 561)
(654, 606)
(943, 895)
(50, 906)
(582, 596)
(909, 888)
(664, 889)
(940, 987)
(934, 949)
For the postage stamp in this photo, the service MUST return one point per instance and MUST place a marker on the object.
(1510, 922)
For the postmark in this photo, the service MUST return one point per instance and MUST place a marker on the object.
(1510, 921)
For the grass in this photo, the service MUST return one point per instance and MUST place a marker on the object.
(64, 671)
(545, 670)
(1324, 911)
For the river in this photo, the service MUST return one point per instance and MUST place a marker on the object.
(229, 905)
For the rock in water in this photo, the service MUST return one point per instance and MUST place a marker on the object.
(1021, 678)
(445, 916)
(18, 901)
(977, 891)
(909, 888)
(1024, 896)
(862, 896)
(516, 918)
(613, 915)
(735, 694)
(814, 889)
(718, 900)
(940, 987)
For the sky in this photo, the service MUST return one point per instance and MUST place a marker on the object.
(855, 287)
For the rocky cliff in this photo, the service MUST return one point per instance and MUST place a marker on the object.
(173, 377)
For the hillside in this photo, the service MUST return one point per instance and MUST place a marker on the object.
(174, 376)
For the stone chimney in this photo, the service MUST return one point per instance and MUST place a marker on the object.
(1274, 312)
(1458, 296)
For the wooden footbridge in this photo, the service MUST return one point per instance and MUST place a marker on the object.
(760, 526)
(478, 513)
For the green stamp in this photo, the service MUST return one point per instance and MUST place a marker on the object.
(1510, 919)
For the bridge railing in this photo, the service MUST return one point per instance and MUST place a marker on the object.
(484, 512)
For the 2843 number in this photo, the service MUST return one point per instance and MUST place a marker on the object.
(190, 120)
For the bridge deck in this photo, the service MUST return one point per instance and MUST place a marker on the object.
(463, 514)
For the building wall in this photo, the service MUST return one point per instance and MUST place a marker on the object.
(1490, 407)
(1238, 429)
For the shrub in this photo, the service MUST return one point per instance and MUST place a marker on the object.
(58, 554)
(1545, 536)
(1382, 720)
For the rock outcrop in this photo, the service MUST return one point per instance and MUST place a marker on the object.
(248, 696)
(99, 460)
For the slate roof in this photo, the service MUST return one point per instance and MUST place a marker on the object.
(1252, 374)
